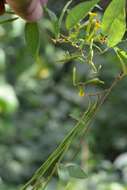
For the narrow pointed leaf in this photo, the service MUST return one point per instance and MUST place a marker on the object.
(32, 38)
(54, 22)
(76, 171)
(122, 55)
(79, 12)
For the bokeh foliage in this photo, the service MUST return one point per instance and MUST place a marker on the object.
(36, 100)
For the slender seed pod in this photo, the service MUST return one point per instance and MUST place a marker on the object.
(30, 10)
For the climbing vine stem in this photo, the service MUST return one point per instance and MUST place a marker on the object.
(103, 98)
(39, 179)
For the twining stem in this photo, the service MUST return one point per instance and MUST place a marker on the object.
(103, 99)
(82, 126)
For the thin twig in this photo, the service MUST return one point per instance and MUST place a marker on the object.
(104, 98)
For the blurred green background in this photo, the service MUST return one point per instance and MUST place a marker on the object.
(36, 104)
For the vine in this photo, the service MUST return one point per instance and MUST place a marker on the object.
(39, 180)
(86, 33)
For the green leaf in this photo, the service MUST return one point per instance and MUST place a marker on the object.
(54, 22)
(76, 171)
(63, 173)
(122, 55)
(94, 81)
(32, 38)
(114, 22)
(8, 99)
(79, 12)
(8, 20)
(71, 170)
(63, 13)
